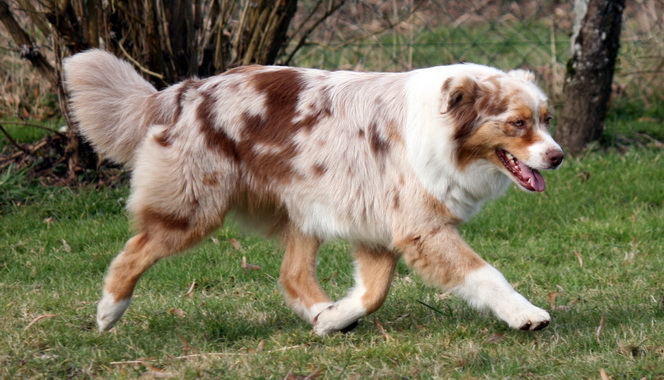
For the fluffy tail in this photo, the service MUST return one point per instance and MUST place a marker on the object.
(111, 103)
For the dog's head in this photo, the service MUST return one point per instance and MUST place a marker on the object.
(503, 118)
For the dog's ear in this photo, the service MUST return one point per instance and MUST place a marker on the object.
(458, 93)
(459, 101)
(526, 75)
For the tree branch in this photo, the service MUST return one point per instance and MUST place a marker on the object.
(28, 49)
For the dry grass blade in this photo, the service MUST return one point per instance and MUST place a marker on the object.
(190, 291)
(208, 354)
(600, 328)
(158, 375)
(579, 258)
(128, 362)
(568, 306)
(39, 319)
(382, 331)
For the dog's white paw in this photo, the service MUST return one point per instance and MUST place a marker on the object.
(526, 317)
(109, 311)
(334, 318)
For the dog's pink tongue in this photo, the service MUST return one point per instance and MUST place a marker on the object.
(533, 177)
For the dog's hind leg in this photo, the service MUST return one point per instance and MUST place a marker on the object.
(160, 236)
(374, 268)
(298, 275)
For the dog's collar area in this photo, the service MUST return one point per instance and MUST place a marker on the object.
(524, 175)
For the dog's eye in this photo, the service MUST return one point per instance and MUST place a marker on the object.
(519, 123)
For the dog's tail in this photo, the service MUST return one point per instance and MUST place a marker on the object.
(111, 103)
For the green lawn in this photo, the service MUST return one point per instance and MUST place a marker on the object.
(593, 241)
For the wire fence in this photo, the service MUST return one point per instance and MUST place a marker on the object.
(399, 35)
(402, 35)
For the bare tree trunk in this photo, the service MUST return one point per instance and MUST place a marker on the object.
(589, 77)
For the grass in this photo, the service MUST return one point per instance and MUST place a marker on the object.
(506, 45)
(589, 249)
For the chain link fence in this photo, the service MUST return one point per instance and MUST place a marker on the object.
(402, 35)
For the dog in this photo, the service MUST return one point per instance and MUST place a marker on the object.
(391, 162)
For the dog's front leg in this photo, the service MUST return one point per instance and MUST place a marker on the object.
(444, 259)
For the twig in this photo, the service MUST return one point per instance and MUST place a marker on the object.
(303, 39)
(12, 141)
(135, 62)
(32, 150)
(34, 126)
(128, 362)
(38, 319)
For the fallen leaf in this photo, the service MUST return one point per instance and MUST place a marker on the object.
(236, 244)
(603, 375)
(66, 246)
(177, 312)
(261, 345)
(214, 240)
(292, 376)
(186, 347)
(584, 175)
(314, 375)
(48, 220)
(246, 266)
(495, 338)
(151, 367)
(552, 299)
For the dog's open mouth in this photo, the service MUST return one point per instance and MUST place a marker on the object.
(524, 175)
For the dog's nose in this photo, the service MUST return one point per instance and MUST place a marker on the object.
(555, 157)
